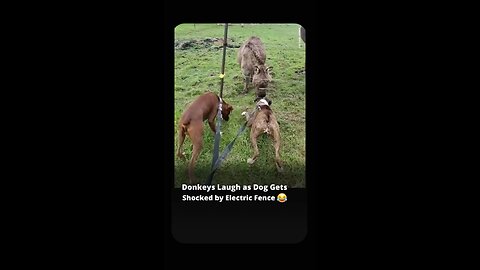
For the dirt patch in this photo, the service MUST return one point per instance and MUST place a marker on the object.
(210, 43)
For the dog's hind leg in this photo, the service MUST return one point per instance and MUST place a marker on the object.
(276, 145)
(181, 139)
(197, 142)
(253, 139)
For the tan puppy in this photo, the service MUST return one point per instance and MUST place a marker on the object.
(191, 124)
(261, 121)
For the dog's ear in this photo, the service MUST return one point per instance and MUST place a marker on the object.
(269, 101)
(257, 99)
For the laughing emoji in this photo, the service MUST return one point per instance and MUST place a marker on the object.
(282, 197)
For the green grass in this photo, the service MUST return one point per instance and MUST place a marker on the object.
(196, 71)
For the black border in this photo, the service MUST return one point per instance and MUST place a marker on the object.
(99, 72)
(289, 253)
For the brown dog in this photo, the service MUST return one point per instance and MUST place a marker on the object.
(261, 121)
(191, 123)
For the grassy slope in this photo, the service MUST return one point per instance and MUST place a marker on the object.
(197, 70)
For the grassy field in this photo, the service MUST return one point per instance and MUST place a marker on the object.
(198, 60)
